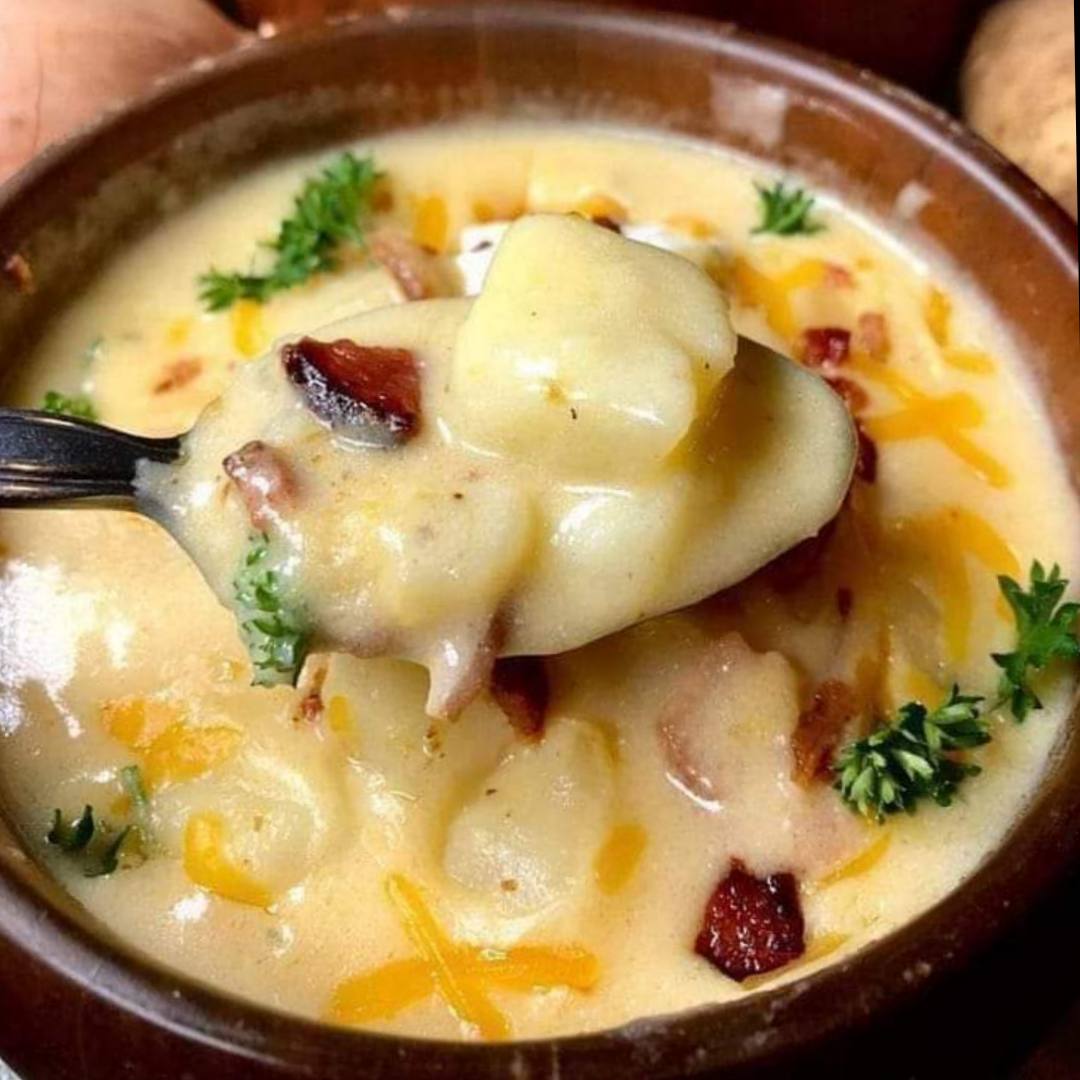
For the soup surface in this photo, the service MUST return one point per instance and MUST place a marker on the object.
(569, 852)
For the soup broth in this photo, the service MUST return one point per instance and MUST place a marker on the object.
(331, 849)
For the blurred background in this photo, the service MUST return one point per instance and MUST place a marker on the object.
(1008, 68)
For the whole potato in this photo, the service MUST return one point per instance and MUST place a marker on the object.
(1019, 90)
(62, 62)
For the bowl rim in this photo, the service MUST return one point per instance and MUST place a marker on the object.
(888, 971)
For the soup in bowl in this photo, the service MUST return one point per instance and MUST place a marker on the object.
(697, 531)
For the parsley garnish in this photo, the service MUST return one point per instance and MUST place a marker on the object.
(786, 212)
(273, 628)
(909, 759)
(73, 835)
(330, 208)
(1045, 629)
(78, 405)
(96, 843)
(913, 756)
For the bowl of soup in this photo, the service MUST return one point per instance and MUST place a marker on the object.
(683, 428)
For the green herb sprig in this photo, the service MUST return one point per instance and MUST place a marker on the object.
(786, 211)
(273, 628)
(1046, 629)
(77, 405)
(908, 759)
(914, 756)
(330, 209)
(95, 843)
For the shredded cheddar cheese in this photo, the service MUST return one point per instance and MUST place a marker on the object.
(207, 863)
(617, 861)
(942, 541)
(926, 417)
(182, 753)
(459, 974)
(170, 749)
(431, 223)
(248, 331)
(773, 295)
(866, 860)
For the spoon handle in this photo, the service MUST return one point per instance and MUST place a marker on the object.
(49, 458)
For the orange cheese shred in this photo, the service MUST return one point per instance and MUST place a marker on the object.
(617, 860)
(467, 1000)
(942, 541)
(207, 863)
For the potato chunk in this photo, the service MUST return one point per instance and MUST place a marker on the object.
(587, 353)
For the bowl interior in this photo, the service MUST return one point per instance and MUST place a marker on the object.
(840, 129)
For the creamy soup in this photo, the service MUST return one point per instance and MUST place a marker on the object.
(576, 848)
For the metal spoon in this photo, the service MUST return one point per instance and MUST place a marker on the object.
(46, 458)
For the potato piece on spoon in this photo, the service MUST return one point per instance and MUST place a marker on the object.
(585, 445)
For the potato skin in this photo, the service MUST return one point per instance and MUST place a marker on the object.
(1019, 90)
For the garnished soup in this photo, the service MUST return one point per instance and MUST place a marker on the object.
(632, 580)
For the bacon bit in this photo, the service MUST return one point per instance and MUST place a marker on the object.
(310, 708)
(520, 687)
(826, 346)
(608, 223)
(18, 271)
(752, 925)
(845, 601)
(178, 374)
(866, 456)
(872, 335)
(839, 277)
(417, 271)
(855, 397)
(372, 389)
(264, 481)
(798, 564)
(820, 729)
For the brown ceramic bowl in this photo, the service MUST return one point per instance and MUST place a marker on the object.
(74, 1002)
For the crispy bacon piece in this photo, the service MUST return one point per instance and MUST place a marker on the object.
(263, 479)
(519, 685)
(825, 347)
(839, 277)
(872, 335)
(368, 391)
(18, 271)
(178, 374)
(798, 564)
(417, 271)
(752, 925)
(820, 729)
(845, 601)
(866, 456)
(855, 397)
(606, 222)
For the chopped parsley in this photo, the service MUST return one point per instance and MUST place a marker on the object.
(94, 843)
(78, 405)
(273, 627)
(914, 756)
(1046, 629)
(786, 211)
(908, 759)
(330, 209)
